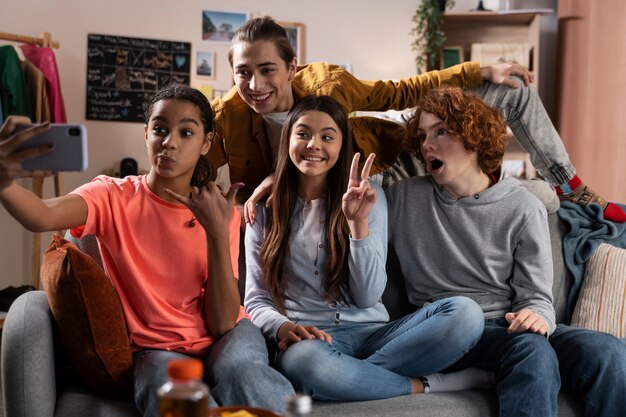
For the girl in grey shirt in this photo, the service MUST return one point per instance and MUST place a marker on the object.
(315, 267)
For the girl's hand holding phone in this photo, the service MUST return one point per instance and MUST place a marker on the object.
(10, 159)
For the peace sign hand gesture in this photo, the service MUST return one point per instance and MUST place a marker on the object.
(359, 198)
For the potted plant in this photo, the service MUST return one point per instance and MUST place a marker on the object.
(429, 38)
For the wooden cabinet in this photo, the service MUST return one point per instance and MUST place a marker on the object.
(465, 28)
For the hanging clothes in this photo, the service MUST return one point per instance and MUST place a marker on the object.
(13, 90)
(44, 59)
(36, 85)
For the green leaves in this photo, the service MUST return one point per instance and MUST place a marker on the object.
(429, 38)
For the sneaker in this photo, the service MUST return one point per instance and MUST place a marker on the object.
(584, 196)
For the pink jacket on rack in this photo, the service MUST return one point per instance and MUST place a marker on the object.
(44, 59)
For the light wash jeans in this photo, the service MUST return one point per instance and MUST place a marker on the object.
(236, 371)
(524, 113)
(368, 361)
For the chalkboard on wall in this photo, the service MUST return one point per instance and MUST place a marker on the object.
(124, 73)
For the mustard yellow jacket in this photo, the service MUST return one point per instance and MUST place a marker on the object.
(240, 140)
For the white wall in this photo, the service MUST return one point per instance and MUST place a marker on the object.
(372, 36)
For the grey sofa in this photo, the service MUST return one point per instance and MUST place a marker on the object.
(37, 381)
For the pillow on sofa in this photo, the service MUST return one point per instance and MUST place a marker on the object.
(89, 316)
(601, 303)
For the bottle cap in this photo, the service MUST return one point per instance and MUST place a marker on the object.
(185, 369)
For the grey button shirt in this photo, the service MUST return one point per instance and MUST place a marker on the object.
(304, 294)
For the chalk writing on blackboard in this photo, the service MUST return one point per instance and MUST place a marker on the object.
(124, 73)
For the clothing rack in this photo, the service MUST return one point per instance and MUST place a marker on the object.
(44, 40)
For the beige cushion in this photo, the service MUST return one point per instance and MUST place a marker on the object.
(601, 303)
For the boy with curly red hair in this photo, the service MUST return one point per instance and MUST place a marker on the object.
(461, 231)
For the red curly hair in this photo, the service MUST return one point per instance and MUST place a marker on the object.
(480, 127)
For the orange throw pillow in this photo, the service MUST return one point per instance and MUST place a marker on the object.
(90, 320)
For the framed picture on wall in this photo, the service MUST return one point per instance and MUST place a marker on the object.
(205, 64)
(295, 33)
(207, 90)
(451, 55)
(221, 26)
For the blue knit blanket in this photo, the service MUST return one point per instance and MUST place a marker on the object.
(588, 230)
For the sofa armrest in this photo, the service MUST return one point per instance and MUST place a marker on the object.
(28, 366)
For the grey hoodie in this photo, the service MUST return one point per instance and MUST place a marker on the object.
(493, 247)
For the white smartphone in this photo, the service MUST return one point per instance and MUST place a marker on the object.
(69, 153)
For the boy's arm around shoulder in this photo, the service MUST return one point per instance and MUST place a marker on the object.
(353, 94)
(382, 95)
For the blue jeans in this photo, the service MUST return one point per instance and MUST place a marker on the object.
(530, 366)
(594, 365)
(368, 361)
(526, 369)
(524, 113)
(236, 371)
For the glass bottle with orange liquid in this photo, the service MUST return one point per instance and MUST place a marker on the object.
(184, 395)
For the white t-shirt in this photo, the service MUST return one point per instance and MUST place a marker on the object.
(273, 127)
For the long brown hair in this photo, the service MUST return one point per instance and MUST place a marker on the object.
(275, 248)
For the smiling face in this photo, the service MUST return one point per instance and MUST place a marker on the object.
(175, 139)
(447, 160)
(262, 77)
(314, 145)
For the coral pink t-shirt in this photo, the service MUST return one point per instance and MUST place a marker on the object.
(156, 261)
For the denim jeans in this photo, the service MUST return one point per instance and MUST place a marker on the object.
(531, 366)
(526, 369)
(368, 361)
(236, 371)
(524, 113)
(594, 365)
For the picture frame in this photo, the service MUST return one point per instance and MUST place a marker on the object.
(207, 90)
(450, 56)
(220, 26)
(205, 64)
(295, 33)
